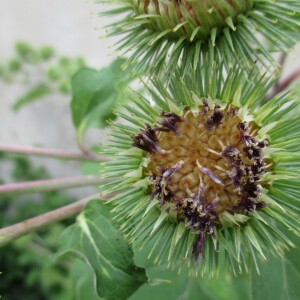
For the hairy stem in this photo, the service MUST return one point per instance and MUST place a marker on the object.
(12, 232)
(46, 152)
(86, 152)
(284, 84)
(48, 185)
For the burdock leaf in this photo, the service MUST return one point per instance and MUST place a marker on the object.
(95, 94)
(169, 285)
(165, 283)
(279, 278)
(96, 240)
(82, 281)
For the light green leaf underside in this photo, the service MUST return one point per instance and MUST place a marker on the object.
(83, 281)
(96, 240)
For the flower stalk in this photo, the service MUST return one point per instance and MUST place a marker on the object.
(38, 186)
(284, 84)
(15, 231)
(48, 152)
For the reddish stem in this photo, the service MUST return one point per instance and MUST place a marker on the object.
(12, 232)
(47, 152)
(48, 185)
(283, 85)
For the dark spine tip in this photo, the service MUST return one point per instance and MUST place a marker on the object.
(146, 140)
(262, 144)
(169, 122)
(243, 126)
(215, 119)
(232, 112)
(205, 107)
(198, 247)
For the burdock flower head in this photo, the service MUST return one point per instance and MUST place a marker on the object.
(156, 31)
(205, 171)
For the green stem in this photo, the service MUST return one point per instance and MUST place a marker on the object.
(46, 152)
(48, 185)
(15, 231)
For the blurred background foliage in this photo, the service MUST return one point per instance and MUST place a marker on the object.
(41, 69)
(29, 270)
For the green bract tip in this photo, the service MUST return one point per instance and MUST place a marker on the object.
(208, 172)
(159, 34)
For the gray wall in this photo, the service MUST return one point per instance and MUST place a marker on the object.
(68, 25)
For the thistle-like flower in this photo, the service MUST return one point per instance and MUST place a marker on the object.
(191, 31)
(207, 171)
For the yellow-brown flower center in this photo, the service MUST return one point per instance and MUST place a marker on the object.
(202, 165)
(195, 151)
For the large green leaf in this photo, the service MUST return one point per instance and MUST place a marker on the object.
(97, 240)
(96, 93)
(170, 285)
(279, 279)
(82, 281)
